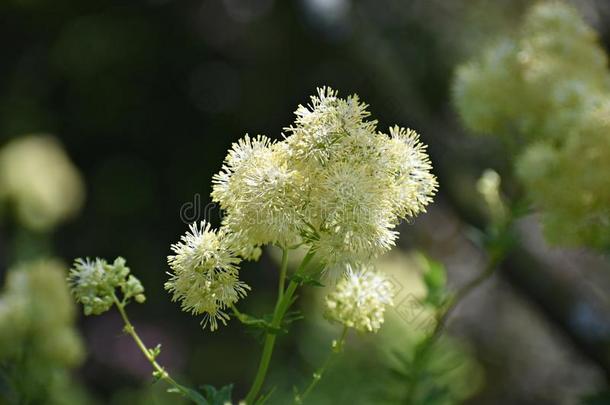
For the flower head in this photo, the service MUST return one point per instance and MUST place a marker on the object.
(205, 275)
(322, 127)
(259, 192)
(93, 283)
(354, 219)
(412, 182)
(361, 183)
(334, 183)
(359, 300)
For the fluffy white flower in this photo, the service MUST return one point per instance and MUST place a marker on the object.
(413, 183)
(205, 276)
(259, 192)
(334, 183)
(361, 183)
(320, 127)
(354, 220)
(360, 300)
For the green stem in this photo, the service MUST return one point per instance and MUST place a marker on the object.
(131, 331)
(337, 347)
(284, 300)
(283, 269)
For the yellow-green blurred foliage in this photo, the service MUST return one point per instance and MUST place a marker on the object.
(39, 182)
(451, 374)
(547, 93)
(38, 340)
(379, 368)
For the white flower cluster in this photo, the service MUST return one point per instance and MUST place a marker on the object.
(334, 184)
(359, 300)
(205, 278)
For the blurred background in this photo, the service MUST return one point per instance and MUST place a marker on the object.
(145, 97)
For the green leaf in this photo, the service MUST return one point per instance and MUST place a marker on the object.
(437, 395)
(210, 396)
(264, 324)
(218, 397)
(290, 317)
(155, 351)
(254, 322)
(435, 280)
(191, 394)
(307, 279)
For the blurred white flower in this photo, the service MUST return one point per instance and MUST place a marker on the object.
(39, 181)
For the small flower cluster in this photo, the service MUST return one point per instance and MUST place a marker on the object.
(549, 88)
(39, 181)
(335, 184)
(205, 275)
(359, 300)
(94, 283)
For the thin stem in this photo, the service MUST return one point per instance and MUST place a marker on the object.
(284, 300)
(263, 365)
(283, 269)
(131, 331)
(337, 347)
